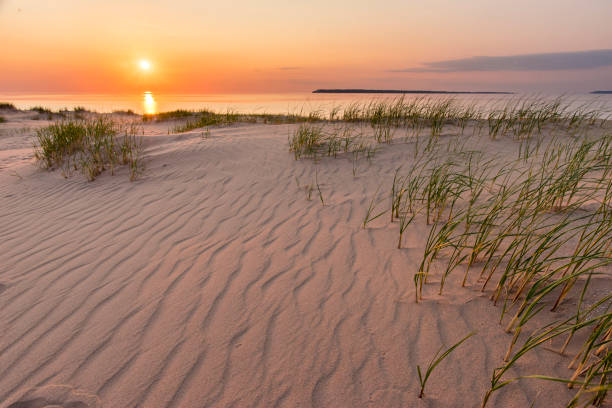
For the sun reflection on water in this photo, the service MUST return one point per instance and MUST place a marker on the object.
(149, 106)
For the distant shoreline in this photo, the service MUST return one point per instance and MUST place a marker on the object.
(601, 92)
(397, 91)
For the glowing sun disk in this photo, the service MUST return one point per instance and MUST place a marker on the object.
(144, 65)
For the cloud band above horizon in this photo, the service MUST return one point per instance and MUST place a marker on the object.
(559, 61)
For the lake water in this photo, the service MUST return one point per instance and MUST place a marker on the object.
(304, 103)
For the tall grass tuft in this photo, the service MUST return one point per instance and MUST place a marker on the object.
(306, 141)
(7, 106)
(41, 110)
(89, 146)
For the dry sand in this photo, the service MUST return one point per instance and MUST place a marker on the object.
(213, 282)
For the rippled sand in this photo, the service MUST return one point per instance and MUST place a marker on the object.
(213, 282)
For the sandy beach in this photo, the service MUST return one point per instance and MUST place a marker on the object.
(217, 280)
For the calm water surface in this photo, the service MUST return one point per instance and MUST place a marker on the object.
(150, 102)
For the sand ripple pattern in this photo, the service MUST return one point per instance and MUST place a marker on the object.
(213, 282)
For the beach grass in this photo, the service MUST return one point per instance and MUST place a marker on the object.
(89, 146)
(371, 214)
(436, 359)
(129, 112)
(7, 106)
(518, 221)
(528, 229)
(41, 110)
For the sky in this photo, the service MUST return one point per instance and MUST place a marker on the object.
(247, 46)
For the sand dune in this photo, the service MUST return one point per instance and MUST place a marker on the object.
(213, 282)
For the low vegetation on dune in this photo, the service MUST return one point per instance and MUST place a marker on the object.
(528, 231)
(93, 143)
(41, 110)
(7, 106)
(532, 231)
(200, 119)
(2, 119)
(204, 118)
(170, 115)
(127, 112)
(90, 147)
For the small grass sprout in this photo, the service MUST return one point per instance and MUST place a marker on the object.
(437, 359)
(370, 215)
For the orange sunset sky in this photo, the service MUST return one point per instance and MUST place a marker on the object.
(292, 46)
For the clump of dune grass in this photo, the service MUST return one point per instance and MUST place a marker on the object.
(170, 115)
(129, 112)
(2, 119)
(306, 141)
(41, 110)
(7, 106)
(314, 140)
(89, 146)
(203, 119)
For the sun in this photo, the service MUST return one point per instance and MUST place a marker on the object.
(144, 65)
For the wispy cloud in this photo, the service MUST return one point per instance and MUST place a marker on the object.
(527, 62)
(289, 68)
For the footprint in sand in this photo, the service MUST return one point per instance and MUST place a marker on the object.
(57, 396)
(2, 288)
